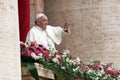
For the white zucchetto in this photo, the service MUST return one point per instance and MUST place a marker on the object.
(38, 16)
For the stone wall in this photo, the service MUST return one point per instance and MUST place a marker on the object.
(32, 12)
(10, 68)
(94, 25)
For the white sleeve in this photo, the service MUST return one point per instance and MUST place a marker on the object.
(30, 36)
(58, 30)
(55, 33)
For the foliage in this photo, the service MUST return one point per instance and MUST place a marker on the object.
(63, 65)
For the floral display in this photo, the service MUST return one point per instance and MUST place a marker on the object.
(63, 65)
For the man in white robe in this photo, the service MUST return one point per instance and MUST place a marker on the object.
(45, 34)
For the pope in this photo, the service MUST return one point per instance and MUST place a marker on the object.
(45, 34)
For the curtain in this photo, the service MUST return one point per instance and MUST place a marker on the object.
(24, 18)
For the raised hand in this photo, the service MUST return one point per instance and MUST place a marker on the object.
(66, 26)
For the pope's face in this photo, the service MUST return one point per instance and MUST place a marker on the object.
(43, 21)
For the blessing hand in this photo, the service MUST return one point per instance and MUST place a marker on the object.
(65, 27)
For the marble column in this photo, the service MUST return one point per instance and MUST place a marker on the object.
(95, 26)
(10, 68)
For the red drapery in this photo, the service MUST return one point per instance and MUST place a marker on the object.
(24, 18)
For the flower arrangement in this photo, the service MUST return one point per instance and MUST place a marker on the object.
(62, 63)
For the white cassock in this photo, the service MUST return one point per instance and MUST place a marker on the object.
(48, 38)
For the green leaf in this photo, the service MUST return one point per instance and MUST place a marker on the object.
(33, 70)
(23, 64)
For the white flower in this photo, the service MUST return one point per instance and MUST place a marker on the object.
(99, 74)
(34, 56)
(102, 71)
(103, 63)
(71, 61)
(64, 56)
(78, 59)
(66, 52)
(41, 55)
(89, 71)
(50, 54)
(57, 56)
(55, 60)
(109, 68)
(76, 69)
(63, 68)
(67, 59)
(97, 78)
(74, 63)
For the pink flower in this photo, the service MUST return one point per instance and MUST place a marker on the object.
(106, 70)
(73, 58)
(28, 52)
(41, 48)
(76, 64)
(45, 53)
(37, 52)
(110, 72)
(78, 79)
(32, 43)
(114, 73)
(50, 57)
(97, 63)
(24, 50)
(84, 67)
(22, 45)
(98, 67)
(91, 66)
(22, 53)
(58, 53)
